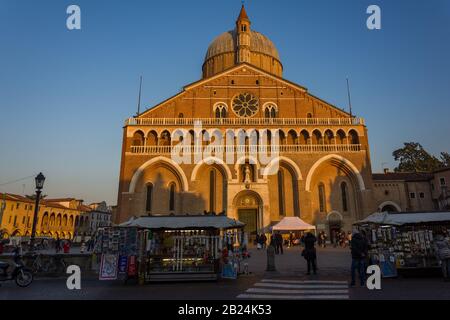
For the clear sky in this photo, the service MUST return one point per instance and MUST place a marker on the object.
(64, 95)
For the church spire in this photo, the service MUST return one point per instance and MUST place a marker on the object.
(243, 36)
(243, 14)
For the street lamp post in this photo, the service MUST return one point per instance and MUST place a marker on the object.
(39, 185)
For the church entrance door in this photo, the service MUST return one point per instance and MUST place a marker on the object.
(250, 218)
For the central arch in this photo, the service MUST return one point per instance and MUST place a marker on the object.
(248, 206)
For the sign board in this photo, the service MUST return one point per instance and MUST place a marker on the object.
(108, 267)
(132, 270)
(123, 264)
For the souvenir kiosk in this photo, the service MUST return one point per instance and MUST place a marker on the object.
(403, 241)
(177, 248)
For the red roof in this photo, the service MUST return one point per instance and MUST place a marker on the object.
(402, 176)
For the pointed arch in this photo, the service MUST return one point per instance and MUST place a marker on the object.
(340, 160)
(276, 161)
(168, 161)
(209, 161)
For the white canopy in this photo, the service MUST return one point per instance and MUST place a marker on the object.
(292, 224)
(405, 218)
(183, 222)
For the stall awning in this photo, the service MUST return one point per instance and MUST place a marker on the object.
(292, 224)
(183, 222)
(399, 219)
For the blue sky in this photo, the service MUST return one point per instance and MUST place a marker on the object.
(65, 94)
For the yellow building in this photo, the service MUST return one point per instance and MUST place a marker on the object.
(62, 218)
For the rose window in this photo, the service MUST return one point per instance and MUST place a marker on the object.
(245, 105)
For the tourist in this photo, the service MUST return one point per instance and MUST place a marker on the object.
(359, 249)
(291, 239)
(58, 245)
(258, 242)
(442, 250)
(263, 241)
(83, 247)
(309, 253)
(66, 247)
(279, 243)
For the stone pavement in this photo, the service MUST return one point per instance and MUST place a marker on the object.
(331, 262)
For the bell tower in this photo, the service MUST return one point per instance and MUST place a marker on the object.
(243, 37)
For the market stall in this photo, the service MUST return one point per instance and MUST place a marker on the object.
(176, 248)
(293, 224)
(401, 241)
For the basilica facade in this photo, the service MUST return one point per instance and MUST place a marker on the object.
(321, 171)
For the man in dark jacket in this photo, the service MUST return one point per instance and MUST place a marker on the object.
(310, 253)
(359, 248)
(279, 242)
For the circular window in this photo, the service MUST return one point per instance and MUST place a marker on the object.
(245, 105)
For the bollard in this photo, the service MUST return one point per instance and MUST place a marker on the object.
(271, 258)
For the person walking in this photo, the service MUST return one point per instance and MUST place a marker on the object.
(291, 239)
(264, 240)
(309, 253)
(359, 249)
(279, 242)
(58, 245)
(442, 250)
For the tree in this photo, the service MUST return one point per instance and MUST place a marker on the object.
(445, 159)
(414, 158)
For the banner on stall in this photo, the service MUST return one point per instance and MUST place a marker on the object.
(123, 264)
(108, 267)
(132, 266)
(229, 272)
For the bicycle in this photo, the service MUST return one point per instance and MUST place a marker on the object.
(54, 265)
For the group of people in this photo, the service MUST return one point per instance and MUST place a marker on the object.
(359, 250)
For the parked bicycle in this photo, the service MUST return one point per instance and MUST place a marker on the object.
(54, 264)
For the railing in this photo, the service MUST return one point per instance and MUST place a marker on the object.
(243, 121)
(311, 148)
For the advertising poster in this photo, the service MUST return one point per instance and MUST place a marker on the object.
(123, 263)
(108, 267)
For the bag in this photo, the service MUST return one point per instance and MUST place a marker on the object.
(259, 246)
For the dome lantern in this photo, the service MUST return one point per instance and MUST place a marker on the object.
(242, 45)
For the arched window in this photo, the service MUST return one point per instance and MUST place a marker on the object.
(220, 111)
(344, 195)
(212, 190)
(353, 136)
(148, 202)
(322, 202)
(172, 197)
(270, 111)
(281, 193)
(138, 138)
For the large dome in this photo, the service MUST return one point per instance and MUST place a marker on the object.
(226, 43)
(242, 45)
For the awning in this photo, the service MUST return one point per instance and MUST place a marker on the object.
(399, 219)
(292, 224)
(183, 222)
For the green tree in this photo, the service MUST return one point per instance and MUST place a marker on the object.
(445, 159)
(414, 158)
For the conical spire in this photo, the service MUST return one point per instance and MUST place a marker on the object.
(243, 14)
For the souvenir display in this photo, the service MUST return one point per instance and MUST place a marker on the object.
(160, 253)
(401, 247)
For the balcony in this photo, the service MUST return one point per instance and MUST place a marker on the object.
(310, 148)
(245, 121)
